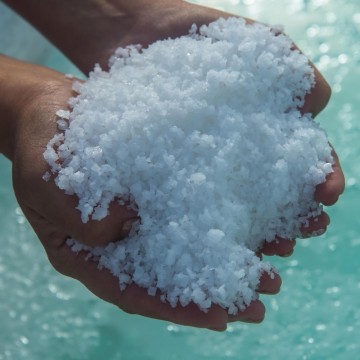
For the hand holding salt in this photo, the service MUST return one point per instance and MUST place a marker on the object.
(203, 135)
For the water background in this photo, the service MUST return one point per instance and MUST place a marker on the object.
(316, 316)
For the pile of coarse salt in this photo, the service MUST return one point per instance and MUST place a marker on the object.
(203, 134)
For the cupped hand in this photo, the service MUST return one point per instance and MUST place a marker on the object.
(54, 217)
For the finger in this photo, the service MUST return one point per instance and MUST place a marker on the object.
(269, 283)
(316, 226)
(285, 247)
(254, 313)
(329, 192)
(279, 246)
(319, 96)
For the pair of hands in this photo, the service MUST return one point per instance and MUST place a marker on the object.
(52, 214)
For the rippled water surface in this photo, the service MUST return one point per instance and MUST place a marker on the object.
(317, 313)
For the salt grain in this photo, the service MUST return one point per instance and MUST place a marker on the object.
(69, 76)
(204, 137)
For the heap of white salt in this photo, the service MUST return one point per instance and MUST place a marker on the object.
(203, 135)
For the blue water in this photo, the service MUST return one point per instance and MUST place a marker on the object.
(316, 316)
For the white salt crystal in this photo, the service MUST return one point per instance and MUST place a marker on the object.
(69, 76)
(215, 235)
(62, 124)
(63, 114)
(197, 178)
(198, 295)
(152, 291)
(46, 176)
(204, 137)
